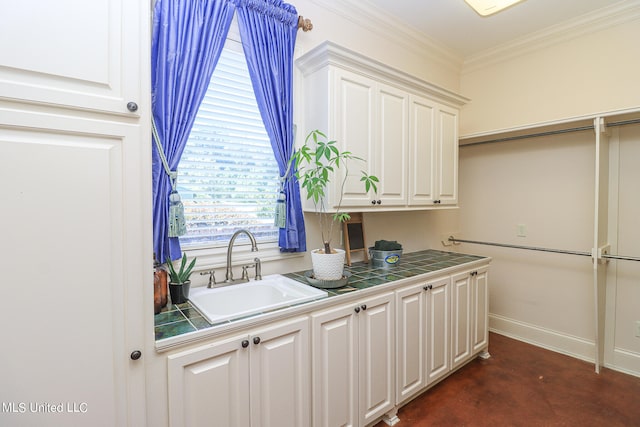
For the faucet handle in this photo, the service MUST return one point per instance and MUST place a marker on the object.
(258, 268)
(212, 277)
(245, 274)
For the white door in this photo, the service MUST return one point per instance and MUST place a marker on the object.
(391, 156)
(354, 131)
(75, 208)
(480, 335)
(209, 385)
(447, 158)
(335, 375)
(461, 318)
(410, 341)
(438, 329)
(422, 151)
(281, 376)
(73, 270)
(85, 55)
(376, 358)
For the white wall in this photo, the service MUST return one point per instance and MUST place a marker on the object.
(586, 75)
(547, 184)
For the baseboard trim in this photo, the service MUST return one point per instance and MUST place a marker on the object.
(545, 338)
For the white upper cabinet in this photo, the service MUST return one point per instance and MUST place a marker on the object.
(69, 53)
(433, 153)
(405, 129)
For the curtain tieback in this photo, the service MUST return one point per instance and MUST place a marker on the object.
(177, 224)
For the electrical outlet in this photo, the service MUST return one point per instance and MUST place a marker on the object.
(638, 328)
(521, 230)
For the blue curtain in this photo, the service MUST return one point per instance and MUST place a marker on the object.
(268, 30)
(188, 36)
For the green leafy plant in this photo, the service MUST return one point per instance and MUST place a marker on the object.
(182, 275)
(315, 163)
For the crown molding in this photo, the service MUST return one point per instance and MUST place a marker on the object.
(329, 53)
(598, 20)
(372, 18)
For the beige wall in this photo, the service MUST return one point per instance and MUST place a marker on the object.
(547, 184)
(587, 75)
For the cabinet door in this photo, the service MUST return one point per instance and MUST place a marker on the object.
(354, 131)
(84, 55)
(480, 335)
(209, 385)
(447, 158)
(376, 358)
(422, 151)
(280, 376)
(410, 341)
(73, 195)
(392, 144)
(461, 313)
(438, 329)
(334, 372)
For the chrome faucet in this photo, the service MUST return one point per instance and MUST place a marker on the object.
(254, 248)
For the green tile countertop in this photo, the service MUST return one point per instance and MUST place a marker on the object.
(180, 319)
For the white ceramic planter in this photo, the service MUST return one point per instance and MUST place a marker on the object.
(327, 266)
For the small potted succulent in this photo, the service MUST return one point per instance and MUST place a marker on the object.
(179, 282)
(315, 164)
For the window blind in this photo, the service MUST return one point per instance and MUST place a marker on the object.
(228, 176)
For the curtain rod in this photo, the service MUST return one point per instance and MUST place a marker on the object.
(552, 132)
(305, 24)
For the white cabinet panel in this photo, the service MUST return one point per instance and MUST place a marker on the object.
(258, 379)
(438, 329)
(391, 153)
(335, 375)
(353, 362)
(78, 54)
(422, 151)
(406, 129)
(470, 310)
(280, 376)
(210, 385)
(411, 341)
(73, 281)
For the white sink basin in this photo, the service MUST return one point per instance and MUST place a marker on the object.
(239, 300)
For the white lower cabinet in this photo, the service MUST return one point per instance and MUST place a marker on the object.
(422, 331)
(354, 362)
(469, 324)
(256, 379)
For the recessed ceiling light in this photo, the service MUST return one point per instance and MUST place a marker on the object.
(489, 7)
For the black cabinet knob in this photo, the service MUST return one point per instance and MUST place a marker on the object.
(245, 343)
(132, 106)
(373, 202)
(379, 201)
(135, 355)
(256, 340)
(363, 306)
(357, 309)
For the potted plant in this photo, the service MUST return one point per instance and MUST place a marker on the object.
(315, 164)
(179, 283)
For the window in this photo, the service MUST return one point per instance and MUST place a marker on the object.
(228, 175)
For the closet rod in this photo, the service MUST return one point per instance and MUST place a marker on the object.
(622, 257)
(530, 248)
(551, 132)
